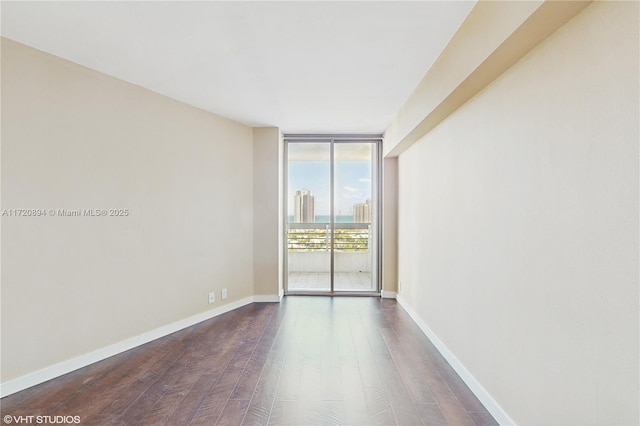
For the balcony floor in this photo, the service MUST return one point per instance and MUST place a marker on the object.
(320, 281)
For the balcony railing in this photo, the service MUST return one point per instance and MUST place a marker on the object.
(348, 237)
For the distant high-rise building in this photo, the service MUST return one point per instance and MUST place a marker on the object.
(362, 212)
(304, 209)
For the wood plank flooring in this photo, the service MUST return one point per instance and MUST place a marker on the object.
(305, 361)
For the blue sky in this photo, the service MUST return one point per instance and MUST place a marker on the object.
(353, 183)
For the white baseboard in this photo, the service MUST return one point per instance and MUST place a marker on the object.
(56, 370)
(267, 298)
(388, 294)
(481, 393)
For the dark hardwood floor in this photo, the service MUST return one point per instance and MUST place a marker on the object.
(305, 361)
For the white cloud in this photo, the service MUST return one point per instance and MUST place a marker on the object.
(365, 180)
(353, 196)
(351, 189)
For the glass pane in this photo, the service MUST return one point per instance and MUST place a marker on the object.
(309, 238)
(354, 207)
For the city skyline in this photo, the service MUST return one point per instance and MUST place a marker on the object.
(362, 212)
(304, 207)
(352, 185)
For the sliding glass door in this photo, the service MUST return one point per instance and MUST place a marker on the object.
(308, 217)
(332, 214)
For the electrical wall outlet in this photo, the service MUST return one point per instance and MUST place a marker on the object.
(212, 297)
(224, 293)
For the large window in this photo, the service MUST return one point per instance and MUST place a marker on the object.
(332, 208)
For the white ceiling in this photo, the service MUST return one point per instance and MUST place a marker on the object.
(306, 67)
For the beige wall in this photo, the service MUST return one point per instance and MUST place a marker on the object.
(267, 213)
(390, 227)
(73, 138)
(518, 227)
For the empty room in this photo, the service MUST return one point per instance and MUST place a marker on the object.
(320, 213)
